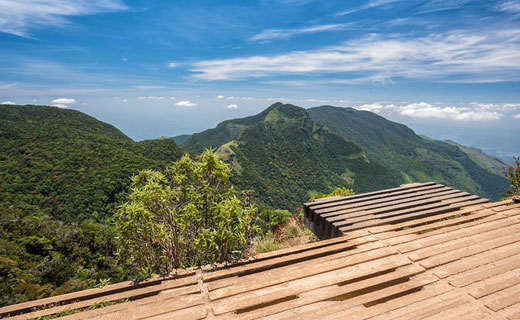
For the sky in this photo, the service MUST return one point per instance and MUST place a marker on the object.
(449, 69)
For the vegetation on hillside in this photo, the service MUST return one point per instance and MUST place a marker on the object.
(189, 215)
(513, 175)
(68, 165)
(285, 157)
(412, 158)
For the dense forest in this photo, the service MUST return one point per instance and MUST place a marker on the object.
(63, 174)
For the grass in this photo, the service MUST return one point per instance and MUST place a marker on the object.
(293, 233)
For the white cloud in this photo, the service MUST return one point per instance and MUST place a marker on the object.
(471, 112)
(426, 110)
(172, 65)
(172, 98)
(65, 101)
(8, 102)
(239, 98)
(19, 17)
(155, 98)
(369, 5)
(59, 106)
(141, 98)
(232, 106)
(271, 34)
(517, 116)
(186, 103)
(220, 96)
(509, 6)
(468, 56)
(125, 100)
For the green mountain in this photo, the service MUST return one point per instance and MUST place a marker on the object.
(284, 156)
(488, 162)
(410, 157)
(69, 165)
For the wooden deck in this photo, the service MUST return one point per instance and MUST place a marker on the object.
(462, 264)
(336, 216)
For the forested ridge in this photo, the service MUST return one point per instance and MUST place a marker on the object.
(63, 175)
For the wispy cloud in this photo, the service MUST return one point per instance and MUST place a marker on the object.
(186, 103)
(456, 55)
(271, 34)
(148, 87)
(470, 112)
(369, 5)
(19, 17)
(232, 106)
(509, 6)
(8, 102)
(517, 116)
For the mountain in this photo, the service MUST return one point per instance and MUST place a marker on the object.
(410, 157)
(67, 164)
(284, 156)
(488, 162)
(180, 139)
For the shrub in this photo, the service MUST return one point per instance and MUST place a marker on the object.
(189, 215)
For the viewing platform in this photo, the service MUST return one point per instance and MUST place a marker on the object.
(421, 251)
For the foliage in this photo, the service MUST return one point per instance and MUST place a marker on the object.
(270, 219)
(189, 215)
(283, 155)
(412, 158)
(41, 256)
(513, 175)
(68, 165)
(63, 173)
(292, 233)
(341, 192)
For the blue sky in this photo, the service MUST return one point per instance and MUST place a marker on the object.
(447, 68)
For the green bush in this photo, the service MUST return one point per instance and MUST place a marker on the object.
(189, 215)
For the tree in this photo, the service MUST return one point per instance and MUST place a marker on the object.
(189, 215)
(513, 175)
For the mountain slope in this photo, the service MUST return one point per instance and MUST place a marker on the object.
(408, 156)
(67, 164)
(488, 162)
(284, 156)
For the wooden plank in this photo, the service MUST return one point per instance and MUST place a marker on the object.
(410, 216)
(373, 193)
(336, 292)
(424, 303)
(449, 256)
(512, 312)
(135, 294)
(409, 208)
(182, 279)
(494, 283)
(387, 205)
(441, 227)
(193, 313)
(433, 241)
(479, 268)
(265, 264)
(265, 279)
(273, 293)
(502, 299)
(141, 308)
(376, 202)
(371, 297)
(399, 218)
